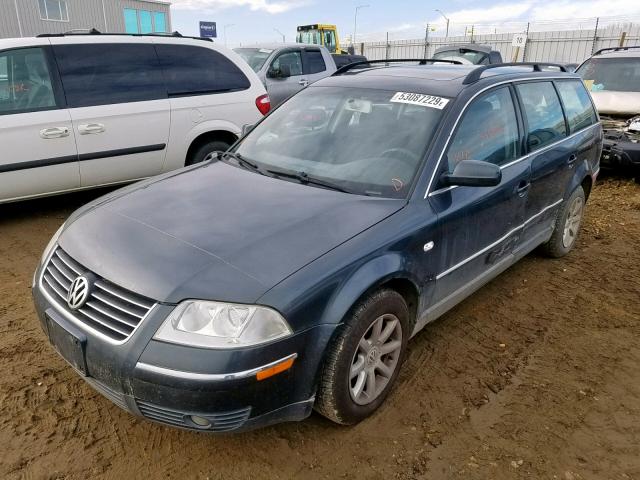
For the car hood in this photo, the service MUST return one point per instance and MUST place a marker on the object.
(215, 232)
(617, 103)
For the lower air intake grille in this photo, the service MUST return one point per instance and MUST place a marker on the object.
(219, 422)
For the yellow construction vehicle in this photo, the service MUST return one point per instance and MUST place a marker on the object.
(319, 34)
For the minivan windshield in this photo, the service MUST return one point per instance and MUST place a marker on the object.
(255, 57)
(611, 74)
(363, 141)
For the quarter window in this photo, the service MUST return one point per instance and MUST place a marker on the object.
(577, 105)
(25, 82)
(543, 112)
(290, 60)
(107, 74)
(488, 131)
(54, 10)
(315, 62)
(192, 70)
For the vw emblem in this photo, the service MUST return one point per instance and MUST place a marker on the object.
(78, 293)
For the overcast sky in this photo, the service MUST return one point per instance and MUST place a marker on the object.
(255, 20)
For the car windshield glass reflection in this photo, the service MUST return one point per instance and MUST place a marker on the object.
(611, 74)
(363, 141)
(255, 57)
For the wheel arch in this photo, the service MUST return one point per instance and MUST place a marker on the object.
(210, 136)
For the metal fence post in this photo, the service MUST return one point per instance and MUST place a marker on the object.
(387, 52)
(524, 50)
(426, 41)
(595, 36)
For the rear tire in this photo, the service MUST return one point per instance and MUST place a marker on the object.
(204, 151)
(363, 360)
(567, 227)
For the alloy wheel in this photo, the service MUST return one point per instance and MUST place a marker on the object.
(572, 224)
(375, 359)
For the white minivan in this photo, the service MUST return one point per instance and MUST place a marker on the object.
(81, 111)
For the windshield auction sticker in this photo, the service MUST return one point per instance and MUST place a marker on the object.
(420, 99)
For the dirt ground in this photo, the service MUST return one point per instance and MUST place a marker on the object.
(535, 376)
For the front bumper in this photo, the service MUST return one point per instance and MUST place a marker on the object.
(192, 388)
(619, 152)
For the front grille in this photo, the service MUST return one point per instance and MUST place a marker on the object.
(220, 422)
(115, 397)
(111, 310)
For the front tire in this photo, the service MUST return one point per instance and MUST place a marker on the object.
(364, 359)
(206, 152)
(567, 227)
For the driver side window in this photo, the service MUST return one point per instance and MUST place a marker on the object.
(292, 60)
(488, 131)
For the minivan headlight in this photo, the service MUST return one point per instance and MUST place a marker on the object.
(222, 325)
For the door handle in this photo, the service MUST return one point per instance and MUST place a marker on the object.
(523, 187)
(91, 128)
(572, 158)
(54, 132)
(304, 82)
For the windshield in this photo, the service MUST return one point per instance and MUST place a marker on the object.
(255, 57)
(310, 37)
(466, 57)
(363, 141)
(611, 74)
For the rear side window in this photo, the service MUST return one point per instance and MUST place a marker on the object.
(543, 112)
(488, 131)
(190, 70)
(315, 62)
(25, 83)
(577, 105)
(105, 74)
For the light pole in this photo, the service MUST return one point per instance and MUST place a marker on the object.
(446, 35)
(225, 31)
(284, 40)
(355, 23)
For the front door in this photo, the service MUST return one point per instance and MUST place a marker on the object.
(286, 76)
(39, 153)
(478, 227)
(119, 108)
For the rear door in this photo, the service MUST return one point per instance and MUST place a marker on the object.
(282, 87)
(315, 66)
(119, 107)
(552, 157)
(478, 227)
(38, 150)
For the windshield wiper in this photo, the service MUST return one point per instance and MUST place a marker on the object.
(305, 179)
(242, 161)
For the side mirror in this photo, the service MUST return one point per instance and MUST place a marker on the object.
(284, 71)
(473, 173)
(246, 129)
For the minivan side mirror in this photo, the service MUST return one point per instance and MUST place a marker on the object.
(473, 173)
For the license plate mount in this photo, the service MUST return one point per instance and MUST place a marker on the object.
(69, 342)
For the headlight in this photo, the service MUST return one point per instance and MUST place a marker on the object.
(222, 325)
(51, 244)
(47, 251)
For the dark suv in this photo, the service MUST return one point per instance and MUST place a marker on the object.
(290, 272)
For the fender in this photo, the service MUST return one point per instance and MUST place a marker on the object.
(368, 276)
(581, 171)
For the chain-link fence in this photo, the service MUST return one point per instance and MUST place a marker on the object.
(564, 46)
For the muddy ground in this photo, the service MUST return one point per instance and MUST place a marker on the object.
(535, 376)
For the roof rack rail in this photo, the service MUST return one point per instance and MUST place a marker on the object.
(615, 49)
(93, 31)
(421, 61)
(476, 74)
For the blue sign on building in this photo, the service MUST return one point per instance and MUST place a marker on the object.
(208, 29)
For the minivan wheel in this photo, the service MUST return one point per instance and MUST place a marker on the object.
(207, 151)
(364, 359)
(567, 225)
